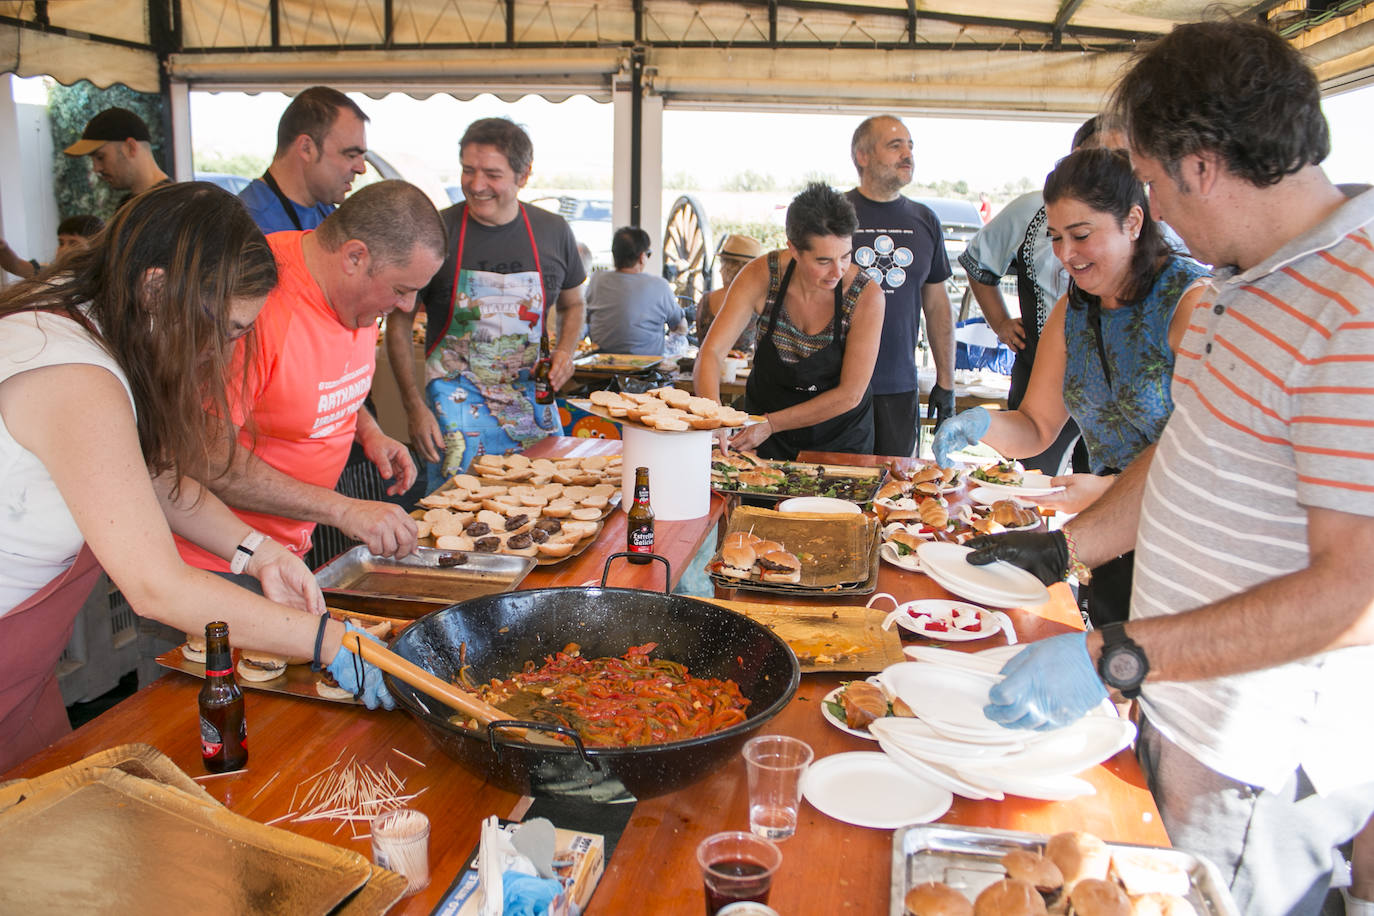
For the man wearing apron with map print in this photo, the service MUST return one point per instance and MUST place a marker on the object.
(485, 311)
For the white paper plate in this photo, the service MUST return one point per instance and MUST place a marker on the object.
(1059, 788)
(1033, 484)
(942, 609)
(984, 496)
(999, 584)
(868, 789)
(973, 661)
(838, 721)
(909, 562)
(920, 739)
(827, 505)
(1070, 750)
(944, 777)
(945, 696)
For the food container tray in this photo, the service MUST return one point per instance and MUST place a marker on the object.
(616, 363)
(359, 572)
(843, 481)
(838, 553)
(967, 859)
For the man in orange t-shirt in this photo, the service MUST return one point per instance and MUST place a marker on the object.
(311, 359)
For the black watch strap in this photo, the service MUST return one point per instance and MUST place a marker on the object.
(1122, 664)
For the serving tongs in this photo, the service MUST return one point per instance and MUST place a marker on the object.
(467, 704)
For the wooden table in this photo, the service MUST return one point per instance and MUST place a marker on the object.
(828, 867)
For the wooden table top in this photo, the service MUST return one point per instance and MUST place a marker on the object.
(828, 867)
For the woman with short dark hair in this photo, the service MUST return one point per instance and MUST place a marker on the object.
(819, 322)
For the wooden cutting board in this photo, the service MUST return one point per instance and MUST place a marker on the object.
(834, 639)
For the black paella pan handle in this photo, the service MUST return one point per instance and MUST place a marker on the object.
(667, 567)
(563, 730)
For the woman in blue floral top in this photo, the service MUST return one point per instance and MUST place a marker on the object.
(1106, 354)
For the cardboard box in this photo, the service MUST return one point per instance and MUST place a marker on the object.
(579, 859)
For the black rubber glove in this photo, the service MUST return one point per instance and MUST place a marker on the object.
(1043, 555)
(939, 405)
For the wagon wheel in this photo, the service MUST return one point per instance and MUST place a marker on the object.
(687, 249)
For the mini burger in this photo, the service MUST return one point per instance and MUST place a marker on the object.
(327, 687)
(1010, 897)
(737, 560)
(936, 899)
(1094, 897)
(779, 566)
(1161, 905)
(194, 650)
(1007, 473)
(260, 666)
(1038, 870)
(1079, 856)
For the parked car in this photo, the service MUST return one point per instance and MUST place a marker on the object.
(231, 183)
(591, 223)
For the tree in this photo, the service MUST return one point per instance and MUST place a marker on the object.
(76, 188)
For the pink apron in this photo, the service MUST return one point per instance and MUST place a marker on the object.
(32, 638)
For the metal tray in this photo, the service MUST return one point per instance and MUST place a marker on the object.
(867, 481)
(616, 363)
(966, 858)
(860, 552)
(359, 572)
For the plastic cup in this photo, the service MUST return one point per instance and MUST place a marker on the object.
(736, 866)
(400, 842)
(730, 367)
(775, 765)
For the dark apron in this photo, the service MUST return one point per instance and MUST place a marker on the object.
(776, 385)
(32, 639)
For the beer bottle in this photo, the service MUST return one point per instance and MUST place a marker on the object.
(223, 729)
(639, 536)
(543, 368)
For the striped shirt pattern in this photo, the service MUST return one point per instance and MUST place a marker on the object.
(1273, 412)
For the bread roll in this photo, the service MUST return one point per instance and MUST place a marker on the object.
(1079, 856)
(936, 899)
(1010, 897)
(1096, 897)
(1038, 870)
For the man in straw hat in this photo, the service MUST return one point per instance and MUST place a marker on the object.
(733, 253)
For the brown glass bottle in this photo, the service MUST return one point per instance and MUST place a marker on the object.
(543, 368)
(639, 534)
(223, 728)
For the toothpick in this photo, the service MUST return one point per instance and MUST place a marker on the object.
(265, 785)
(406, 756)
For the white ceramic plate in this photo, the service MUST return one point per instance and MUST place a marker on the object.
(867, 789)
(838, 721)
(939, 609)
(999, 584)
(827, 505)
(1033, 484)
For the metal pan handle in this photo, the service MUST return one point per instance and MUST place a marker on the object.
(541, 727)
(667, 568)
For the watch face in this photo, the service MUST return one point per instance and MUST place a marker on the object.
(1124, 668)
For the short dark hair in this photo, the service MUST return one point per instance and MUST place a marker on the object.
(628, 243)
(1102, 179)
(504, 134)
(1233, 88)
(819, 210)
(863, 137)
(83, 224)
(391, 218)
(312, 112)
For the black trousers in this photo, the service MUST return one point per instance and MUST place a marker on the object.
(896, 417)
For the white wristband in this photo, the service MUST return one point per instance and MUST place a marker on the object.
(244, 552)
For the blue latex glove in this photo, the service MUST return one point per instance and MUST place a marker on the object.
(526, 895)
(959, 431)
(1049, 684)
(357, 676)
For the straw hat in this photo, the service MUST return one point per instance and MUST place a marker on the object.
(739, 246)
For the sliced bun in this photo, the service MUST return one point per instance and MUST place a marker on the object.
(936, 899)
(737, 561)
(1010, 897)
(328, 688)
(779, 566)
(1095, 897)
(1079, 856)
(1148, 874)
(553, 549)
(1038, 870)
(260, 666)
(1161, 905)
(740, 538)
(194, 650)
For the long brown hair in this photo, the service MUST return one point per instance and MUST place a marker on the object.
(154, 290)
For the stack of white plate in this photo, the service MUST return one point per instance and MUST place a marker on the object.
(953, 744)
(998, 584)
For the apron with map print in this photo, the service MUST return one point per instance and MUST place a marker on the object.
(478, 372)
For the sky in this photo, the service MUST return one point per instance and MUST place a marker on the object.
(574, 138)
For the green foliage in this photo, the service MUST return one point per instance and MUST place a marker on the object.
(825, 178)
(749, 180)
(69, 108)
(245, 164)
(682, 181)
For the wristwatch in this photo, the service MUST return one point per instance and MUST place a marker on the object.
(1122, 664)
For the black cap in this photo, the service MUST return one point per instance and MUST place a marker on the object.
(112, 124)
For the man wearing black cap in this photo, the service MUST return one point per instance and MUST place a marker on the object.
(121, 151)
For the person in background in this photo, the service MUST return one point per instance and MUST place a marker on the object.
(820, 319)
(627, 309)
(321, 142)
(1251, 634)
(734, 252)
(1106, 355)
(984, 208)
(900, 245)
(508, 266)
(107, 364)
(121, 152)
(1015, 240)
(73, 233)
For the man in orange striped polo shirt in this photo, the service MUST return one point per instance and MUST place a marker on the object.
(1251, 637)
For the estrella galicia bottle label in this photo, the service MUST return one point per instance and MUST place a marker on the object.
(211, 742)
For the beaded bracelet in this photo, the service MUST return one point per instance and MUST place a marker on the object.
(1077, 569)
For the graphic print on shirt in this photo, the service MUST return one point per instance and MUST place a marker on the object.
(340, 399)
(491, 344)
(886, 261)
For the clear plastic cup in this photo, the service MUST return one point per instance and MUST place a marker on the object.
(400, 842)
(736, 866)
(775, 765)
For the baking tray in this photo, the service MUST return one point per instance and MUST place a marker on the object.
(104, 841)
(853, 636)
(360, 572)
(865, 486)
(844, 564)
(616, 363)
(966, 858)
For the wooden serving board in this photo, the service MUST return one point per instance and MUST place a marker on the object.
(853, 636)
